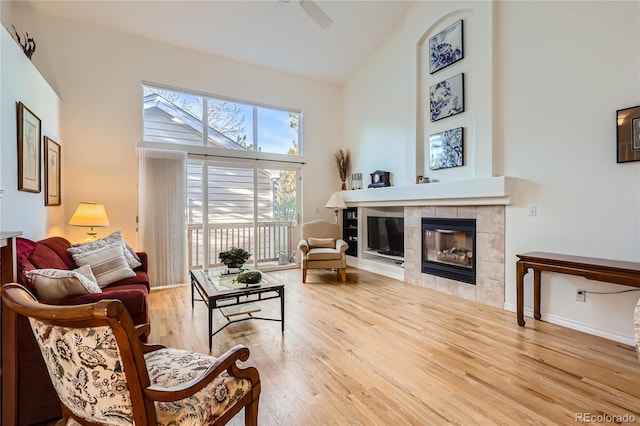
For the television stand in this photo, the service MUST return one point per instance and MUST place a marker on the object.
(384, 255)
(381, 257)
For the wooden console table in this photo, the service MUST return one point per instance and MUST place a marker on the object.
(611, 271)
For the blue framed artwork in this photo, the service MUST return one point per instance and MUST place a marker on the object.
(447, 97)
(446, 149)
(445, 48)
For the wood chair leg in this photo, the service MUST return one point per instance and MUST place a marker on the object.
(66, 414)
(304, 275)
(343, 272)
(251, 413)
(251, 410)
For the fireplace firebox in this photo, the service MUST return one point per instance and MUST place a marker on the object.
(448, 248)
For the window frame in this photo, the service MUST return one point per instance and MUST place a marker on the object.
(223, 153)
(204, 164)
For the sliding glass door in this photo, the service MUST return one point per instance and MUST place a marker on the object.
(254, 207)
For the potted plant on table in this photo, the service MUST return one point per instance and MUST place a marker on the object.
(234, 258)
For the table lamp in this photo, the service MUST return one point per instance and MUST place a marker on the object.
(336, 203)
(90, 214)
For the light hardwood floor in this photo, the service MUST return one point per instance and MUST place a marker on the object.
(376, 351)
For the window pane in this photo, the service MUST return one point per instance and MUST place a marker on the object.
(277, 215)
(172, 117)
(230, 124)
(230, 210)
(283, 192)
(230, 195)
(277, 131)
(196, 237)
(226, 196)
(194, 193)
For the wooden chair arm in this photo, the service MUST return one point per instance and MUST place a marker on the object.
(226, 362)
(143, 330)
(150, 347)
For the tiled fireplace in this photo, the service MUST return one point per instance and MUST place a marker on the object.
(481, 198)
(488, 254)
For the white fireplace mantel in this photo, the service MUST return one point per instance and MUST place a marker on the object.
(471, 192)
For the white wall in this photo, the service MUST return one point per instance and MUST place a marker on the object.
(21, 82)
(555, 73)
(386, 105)
(559, 92)
(377, 107)
(98, 74)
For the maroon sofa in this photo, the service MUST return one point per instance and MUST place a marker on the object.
(37, 399)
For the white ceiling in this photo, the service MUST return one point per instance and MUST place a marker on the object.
(271, 33)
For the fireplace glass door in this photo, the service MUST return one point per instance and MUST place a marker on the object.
(449, 248)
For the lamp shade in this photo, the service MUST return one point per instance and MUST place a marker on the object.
(89, 214)
(335, 202)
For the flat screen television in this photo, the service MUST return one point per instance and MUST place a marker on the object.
(386, 235)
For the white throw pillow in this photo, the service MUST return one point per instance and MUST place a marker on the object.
(108, 264)
(53, 284)
(115, 237)
(322, 242)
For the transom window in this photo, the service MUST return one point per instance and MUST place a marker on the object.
(187, 118)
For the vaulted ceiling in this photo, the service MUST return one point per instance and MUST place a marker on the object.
(272, 33)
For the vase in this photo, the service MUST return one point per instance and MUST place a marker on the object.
(344, 186)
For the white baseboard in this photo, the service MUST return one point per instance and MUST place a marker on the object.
(574, 325)
(163, 287)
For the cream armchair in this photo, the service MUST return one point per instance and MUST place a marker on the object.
(323, 248)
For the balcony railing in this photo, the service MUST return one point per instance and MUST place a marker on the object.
(272, 239)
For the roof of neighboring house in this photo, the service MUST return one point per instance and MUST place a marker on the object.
(172, 121)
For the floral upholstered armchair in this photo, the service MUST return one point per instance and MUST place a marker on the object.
(105, 375)
(323, 248)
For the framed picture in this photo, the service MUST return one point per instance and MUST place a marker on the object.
(447, 97)
(29, 131)
(445, 48)
(51, 172)
(446, 149)
(628, 134)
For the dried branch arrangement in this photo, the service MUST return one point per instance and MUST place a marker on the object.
(343, 162)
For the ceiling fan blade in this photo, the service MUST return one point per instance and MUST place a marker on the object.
(315, 13)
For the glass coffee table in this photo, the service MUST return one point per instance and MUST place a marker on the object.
(236, 301)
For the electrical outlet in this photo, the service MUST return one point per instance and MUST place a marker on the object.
(532, 210)
(581, 295)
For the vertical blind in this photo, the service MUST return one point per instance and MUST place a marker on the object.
(162, 222)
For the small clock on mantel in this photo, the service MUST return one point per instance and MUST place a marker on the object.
(379, 179)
